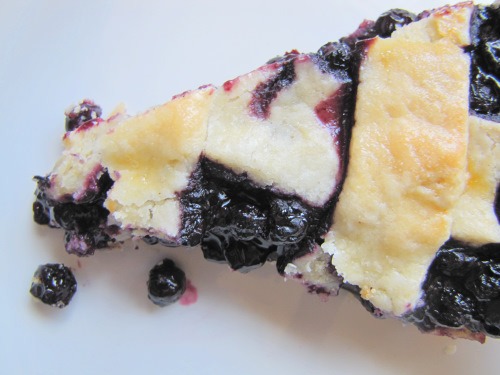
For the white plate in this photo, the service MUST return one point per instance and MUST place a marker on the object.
(53, 53)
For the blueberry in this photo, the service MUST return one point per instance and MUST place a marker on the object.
(40, 213)
(166, 284)
(80, 244)
(483, 284)
(245, 256)
(484, 92)
(80, 216)
(290, 219)
(448, 304)
(451, 262)
(492, 318)
(247, 222)
(213, 246)
(391, 20)
(338, 55)
(80, 114)
(491, 55)
(485, 53)
(53, 284)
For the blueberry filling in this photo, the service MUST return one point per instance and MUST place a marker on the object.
(462, 290)
(485, 68)
(242, 224)
(53, 284)
(84, 223)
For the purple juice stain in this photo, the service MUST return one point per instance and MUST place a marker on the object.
(267, 91)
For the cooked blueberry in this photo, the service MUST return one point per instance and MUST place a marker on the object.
(483, 284)
(81, 217)
(492, 318)
(454, 263)
(338, 55)
(247, 222)
(78, 244)
(290, 221)
(166, 284)
(391, 20)
(485, 92)
(53, 284)
(40, 213)
(485, 70)
(245, 256)
(213, 246)
(494, 268)
(80, 114)
(491, 54)
(449, 305)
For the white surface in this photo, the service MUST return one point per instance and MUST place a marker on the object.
(53, 53)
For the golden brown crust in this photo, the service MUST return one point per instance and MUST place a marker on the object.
(407, 161)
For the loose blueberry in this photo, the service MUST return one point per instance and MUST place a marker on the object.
(53, 284)
(166, 284)
(80, 114)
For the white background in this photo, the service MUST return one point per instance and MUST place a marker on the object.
(54, 53)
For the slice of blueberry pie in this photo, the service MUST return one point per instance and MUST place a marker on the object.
(372, 166)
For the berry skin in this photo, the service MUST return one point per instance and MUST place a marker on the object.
(53, 284)
(338, 55)
(40, 213)
(290, 221)
(391, 20)
(80, 114)
(166, 284)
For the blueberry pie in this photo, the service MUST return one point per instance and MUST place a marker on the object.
(372, 165)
